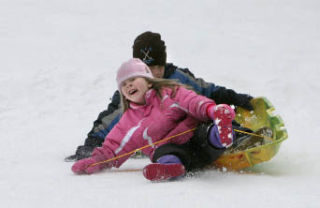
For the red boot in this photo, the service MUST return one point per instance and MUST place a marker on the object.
(158, 171)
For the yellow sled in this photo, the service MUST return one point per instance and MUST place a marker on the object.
(262, 121)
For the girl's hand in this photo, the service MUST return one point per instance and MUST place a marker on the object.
(216, 112)
(89, 166)
(222, 115)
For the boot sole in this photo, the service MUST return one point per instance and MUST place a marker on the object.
(159, 172)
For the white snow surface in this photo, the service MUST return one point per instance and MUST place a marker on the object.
(57, 72)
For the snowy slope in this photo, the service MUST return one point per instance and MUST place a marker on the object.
(57, 72)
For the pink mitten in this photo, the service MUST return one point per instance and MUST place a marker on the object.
(222, 115)
(88, 166)
(219, 111)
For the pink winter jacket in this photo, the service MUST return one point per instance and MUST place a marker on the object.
(159, 118)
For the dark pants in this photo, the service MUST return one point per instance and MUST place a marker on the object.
(195, 154)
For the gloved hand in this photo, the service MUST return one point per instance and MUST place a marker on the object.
(89, 165)
(84, 166)
(81, 153)
(230, 97)
(243, 100)
(84, 152)
(222, 115)
(221, 112)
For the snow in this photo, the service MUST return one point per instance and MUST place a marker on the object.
(57, 72)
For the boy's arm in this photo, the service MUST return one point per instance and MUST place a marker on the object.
(218, 93)
(230, 97)
(101, 127)
(105, 121)
(192, 103)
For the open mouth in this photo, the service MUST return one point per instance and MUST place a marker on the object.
(132, 91)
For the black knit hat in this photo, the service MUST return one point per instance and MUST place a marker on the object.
(149, 47)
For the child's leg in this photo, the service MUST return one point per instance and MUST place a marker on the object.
(169, 161)
(204, 153)
(167, 167)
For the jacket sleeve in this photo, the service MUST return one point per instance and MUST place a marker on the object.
(230, 97)
(121, 140)
(106, 120)
(218, 93)
(198, 84)
(192, 103)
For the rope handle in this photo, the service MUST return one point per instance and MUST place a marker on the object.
(141, 148)
(162, 140)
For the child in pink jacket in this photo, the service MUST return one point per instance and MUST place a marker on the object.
(154, 109)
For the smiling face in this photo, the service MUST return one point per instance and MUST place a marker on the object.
(134, 89)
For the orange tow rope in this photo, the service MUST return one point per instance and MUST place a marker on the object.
(252, 134)
(157, 142)
(141, 148)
